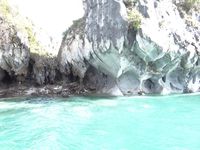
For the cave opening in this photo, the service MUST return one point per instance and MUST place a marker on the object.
(7, 79)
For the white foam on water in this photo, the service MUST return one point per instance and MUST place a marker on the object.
(82, 112)
(108, 103)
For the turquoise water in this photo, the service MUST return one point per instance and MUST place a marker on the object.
(83, 123)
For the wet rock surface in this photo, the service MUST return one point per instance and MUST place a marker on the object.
(50, 90)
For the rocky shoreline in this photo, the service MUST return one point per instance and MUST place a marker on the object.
(58, 90)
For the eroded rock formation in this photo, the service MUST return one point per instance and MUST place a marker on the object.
(27, 53)
(116, 55)
(14, 51)
(119, 47)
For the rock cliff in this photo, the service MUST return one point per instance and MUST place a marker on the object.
(14, 52)
(27, 53)
(119, 47)
(126, 47)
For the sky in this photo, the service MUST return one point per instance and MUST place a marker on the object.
(54, 16)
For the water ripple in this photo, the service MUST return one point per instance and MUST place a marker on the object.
(124, 123)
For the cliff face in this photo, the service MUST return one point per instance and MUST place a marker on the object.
(14, 52)
(119, 47)
(128, 47)
(27, 53)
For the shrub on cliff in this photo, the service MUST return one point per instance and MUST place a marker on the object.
(134, 19)
(190, 4)
(4, 8)
(78, 27)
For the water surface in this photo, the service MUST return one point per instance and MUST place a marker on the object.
(91, 123)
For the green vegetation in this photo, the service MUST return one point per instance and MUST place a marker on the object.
(134, 19)
(23, 25)
(5, 8)
(190, 4)
(35, 47)
(78, 27)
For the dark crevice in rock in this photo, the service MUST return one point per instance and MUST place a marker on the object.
(7, 79)
(96, 80)
(144, 10)
(149, 84)
(131, 36)
(164, 78)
